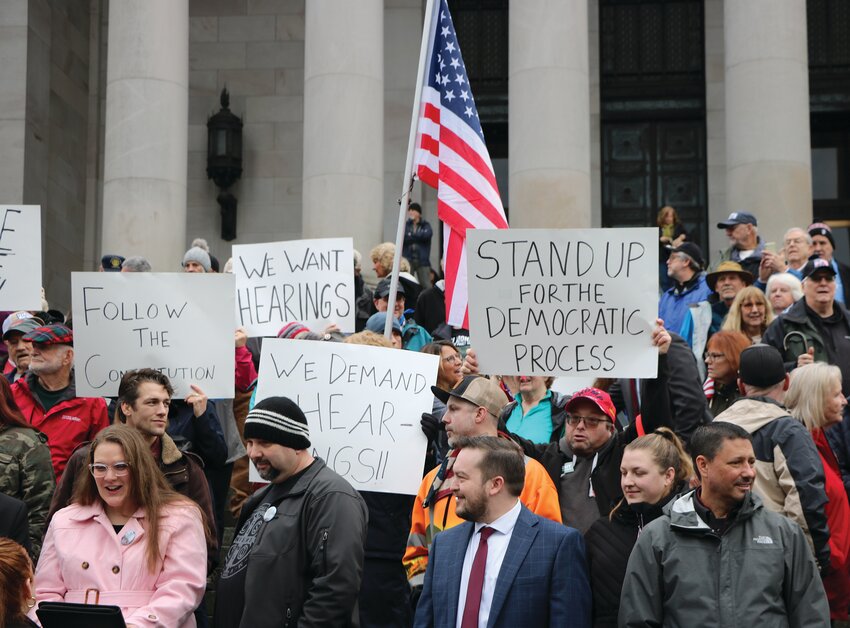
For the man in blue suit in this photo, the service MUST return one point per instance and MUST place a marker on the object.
(506, 566)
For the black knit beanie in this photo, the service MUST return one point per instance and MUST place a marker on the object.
(278, 420)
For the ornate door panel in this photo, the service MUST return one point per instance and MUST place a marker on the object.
(651, 164)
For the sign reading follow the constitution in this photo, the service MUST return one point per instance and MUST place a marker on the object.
(178, 323)
(20, 257)
(363, 405)
(572, 302)
(308, 281)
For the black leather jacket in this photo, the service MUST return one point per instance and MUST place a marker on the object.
(306, 563)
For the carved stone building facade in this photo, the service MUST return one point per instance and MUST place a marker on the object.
(596, 113)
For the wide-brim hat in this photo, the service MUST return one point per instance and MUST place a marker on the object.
(726, 268)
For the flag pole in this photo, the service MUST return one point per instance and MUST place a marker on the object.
(407, 182)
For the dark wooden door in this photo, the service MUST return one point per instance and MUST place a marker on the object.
(646, 165)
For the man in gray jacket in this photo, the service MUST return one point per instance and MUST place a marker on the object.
(718, 558)
(297, 557)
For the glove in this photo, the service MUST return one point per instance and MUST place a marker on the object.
(431, 426)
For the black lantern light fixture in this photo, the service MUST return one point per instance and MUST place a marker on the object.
(224, 161)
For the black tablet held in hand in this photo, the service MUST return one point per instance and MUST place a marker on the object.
(68, 615)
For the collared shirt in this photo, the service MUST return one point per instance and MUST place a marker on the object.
(497, 545)
(536, 424)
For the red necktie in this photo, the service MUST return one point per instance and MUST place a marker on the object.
(476, 582)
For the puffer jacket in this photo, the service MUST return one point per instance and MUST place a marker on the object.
(306, 563)
(759, 573)
(26, 473)
(609, 541)
(73, 420)
(789, 475)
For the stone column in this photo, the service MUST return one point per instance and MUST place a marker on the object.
(549, 114)
(145, 153)
(344, 121)
(768, 148)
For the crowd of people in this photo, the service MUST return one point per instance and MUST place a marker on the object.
(714, 494)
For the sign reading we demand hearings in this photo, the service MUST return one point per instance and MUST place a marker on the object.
(572, 302)
(20, 257)
(363, 405)
(309, 281)
(178, 323)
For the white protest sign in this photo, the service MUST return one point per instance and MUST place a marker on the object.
(20, 257)
(308, 281)
(572, 302)
(181, 324)
(363, 405)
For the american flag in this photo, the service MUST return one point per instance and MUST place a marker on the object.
(452, 157)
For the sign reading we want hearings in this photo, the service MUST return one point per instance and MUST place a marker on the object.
(363, 405)
(178, 323)
(571, 302)
(308, 281)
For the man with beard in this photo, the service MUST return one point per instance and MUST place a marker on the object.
(717, 557)
(472, 409)
(505, 566)
(297, 554)
(47, 397)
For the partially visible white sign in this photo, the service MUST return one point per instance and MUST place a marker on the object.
(20, 257)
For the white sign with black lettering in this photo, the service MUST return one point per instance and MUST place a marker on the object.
(363, 405)
(181, 324)
(571, 302)
(20, 257)
(308, 281)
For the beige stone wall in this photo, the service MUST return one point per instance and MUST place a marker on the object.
(256, 49)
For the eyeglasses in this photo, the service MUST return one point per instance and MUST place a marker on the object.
(452, 359)
(821, 279)
(99, 470)
(589, 421)
(709, 357)
(795, 240)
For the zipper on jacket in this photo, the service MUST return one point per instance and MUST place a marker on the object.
(323, 549)
(288, 615)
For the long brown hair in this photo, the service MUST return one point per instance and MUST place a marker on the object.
(10, 414)
(15, 569)
(149, 490)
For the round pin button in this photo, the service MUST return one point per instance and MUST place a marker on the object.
(116, 569)
(85, 565)
(269, 514)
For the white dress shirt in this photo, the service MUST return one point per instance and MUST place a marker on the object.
(497, 545)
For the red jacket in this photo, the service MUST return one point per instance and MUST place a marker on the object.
(837, 581)
(72, 421)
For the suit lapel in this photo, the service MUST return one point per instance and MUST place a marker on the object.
(522, 537)
(455, 553)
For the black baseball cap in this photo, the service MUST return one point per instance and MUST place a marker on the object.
(761, 366)
(738, 218)
(818, 265)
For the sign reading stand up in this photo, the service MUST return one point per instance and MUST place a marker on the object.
(572, 302)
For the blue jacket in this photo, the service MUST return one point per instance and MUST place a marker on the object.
(673, 307)
(543, 580)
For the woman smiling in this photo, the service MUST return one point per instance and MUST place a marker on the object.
(127, 539)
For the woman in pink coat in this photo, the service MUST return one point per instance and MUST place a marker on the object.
(127, 539)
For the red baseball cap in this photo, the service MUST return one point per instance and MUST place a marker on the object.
(599, 398)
